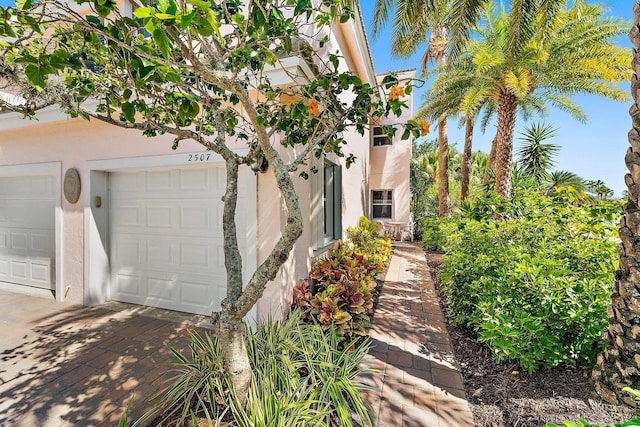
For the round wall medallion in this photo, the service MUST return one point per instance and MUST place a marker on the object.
(72, 185)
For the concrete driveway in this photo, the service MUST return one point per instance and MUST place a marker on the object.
(67, 365)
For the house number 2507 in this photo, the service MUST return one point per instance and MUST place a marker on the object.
(199, 157)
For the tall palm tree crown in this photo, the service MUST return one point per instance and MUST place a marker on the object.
(546, 62)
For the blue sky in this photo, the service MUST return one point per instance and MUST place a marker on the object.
(594, 150)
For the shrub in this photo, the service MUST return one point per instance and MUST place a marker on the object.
(435, 231)
(344, 292)
(366, 240)
(303, 375)
(535, 287)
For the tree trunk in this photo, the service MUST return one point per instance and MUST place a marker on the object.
(444, 207)
(438, 45)
(507, 107)
(490, 161)
(230, 328)
(619, 365)
(231, 336)
(466, 159)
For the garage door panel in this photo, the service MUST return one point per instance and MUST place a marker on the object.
(220, 180)
(196, 179)
(160, 217)
(196, 255)
(19, 242)
(175, 217)
(42, 243)
(127, 251)
(42, 185)
(161, 290)
(161, 253)
(127, 288)
(125, 215)
(166, 234)
(40, 272)
(19, 269)
(196, 217)
(4, 270)
(160, 181)
(27, 230)
(125, 183)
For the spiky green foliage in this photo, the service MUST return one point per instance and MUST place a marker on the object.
(536, 158)
(521, 57)
(414, 23)
(466, 13)
(564, 179)
(302, 376)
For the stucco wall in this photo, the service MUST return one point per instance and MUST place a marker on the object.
(73, 142)
(390, 163)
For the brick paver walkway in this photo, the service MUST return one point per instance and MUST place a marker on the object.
(417, 381)
(66, 365)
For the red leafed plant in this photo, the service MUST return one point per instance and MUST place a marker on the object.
(344, 292)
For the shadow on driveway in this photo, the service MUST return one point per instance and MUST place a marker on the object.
(67, 365)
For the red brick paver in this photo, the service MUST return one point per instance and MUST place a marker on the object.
(417, 381)
(65, 365)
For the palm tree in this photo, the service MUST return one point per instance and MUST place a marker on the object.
(412, 22)
(563, 179)
(599, 189)
(545, 60)
(458, 92)
(535, 158)
(450, 96)
(464, 15)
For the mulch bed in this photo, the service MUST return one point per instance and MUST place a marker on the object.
(504, 395)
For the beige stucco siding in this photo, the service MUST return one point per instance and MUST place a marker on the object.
(73, 142)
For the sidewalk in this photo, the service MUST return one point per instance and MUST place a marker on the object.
(417, 381)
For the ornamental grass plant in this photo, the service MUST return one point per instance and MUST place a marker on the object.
(303, 375)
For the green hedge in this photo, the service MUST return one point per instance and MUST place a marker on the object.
(535, 286)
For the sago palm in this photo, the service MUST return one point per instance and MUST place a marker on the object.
(414, 24)
(550, 61)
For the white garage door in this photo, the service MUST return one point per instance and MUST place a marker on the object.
(166, 238)
(27, 230)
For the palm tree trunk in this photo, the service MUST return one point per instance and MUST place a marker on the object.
(466, 158)
(507, 106)
(490, 161)
(619, 365)
(444, 205)
(444, 208)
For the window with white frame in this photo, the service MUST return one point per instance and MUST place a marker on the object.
(382, 136)
(332, 202)
(382, 204)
